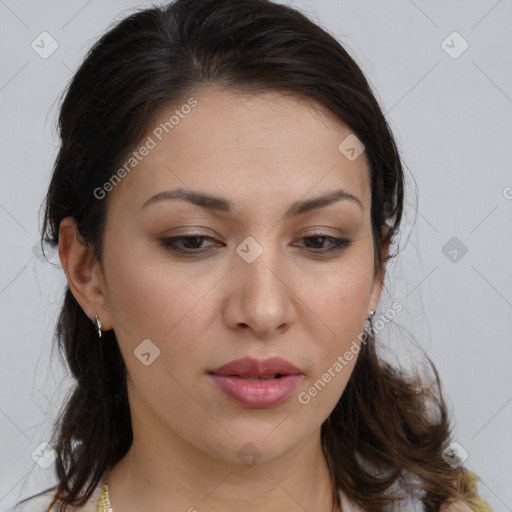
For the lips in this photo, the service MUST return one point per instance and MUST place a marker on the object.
(257, 368)
(257, 383)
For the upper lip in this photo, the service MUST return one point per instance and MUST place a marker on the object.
(248, 366)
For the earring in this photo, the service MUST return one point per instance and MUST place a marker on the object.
(369, 320)
(98, 325)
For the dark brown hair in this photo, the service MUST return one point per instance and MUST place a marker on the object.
(382, 432)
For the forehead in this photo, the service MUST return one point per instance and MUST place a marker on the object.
(251, 148)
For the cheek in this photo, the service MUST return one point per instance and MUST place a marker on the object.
(146, 295)
(341, 304)
(341, 299)
(334, 360)
(321, 392)
(155, 300)
(155, 303)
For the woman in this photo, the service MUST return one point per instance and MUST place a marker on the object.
(224, 201)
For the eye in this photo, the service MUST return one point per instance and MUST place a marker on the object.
(192, 244)
(319, 239)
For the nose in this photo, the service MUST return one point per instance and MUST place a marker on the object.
(261, 296)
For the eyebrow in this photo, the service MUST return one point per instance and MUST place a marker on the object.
(210, 202)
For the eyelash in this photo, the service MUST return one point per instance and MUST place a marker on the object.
(169, 244)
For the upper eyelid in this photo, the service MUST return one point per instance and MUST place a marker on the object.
(214, 236)
(210, 232)
(339, 241)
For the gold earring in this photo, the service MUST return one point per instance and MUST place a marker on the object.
(371, 313)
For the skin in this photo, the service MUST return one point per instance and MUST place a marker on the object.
(262, 152)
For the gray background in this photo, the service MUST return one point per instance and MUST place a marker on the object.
(452, 120)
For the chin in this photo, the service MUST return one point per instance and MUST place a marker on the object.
(254, 441)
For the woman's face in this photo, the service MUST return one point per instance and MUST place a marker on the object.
(266, 284)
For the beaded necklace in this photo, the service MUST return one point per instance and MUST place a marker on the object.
(104, 505)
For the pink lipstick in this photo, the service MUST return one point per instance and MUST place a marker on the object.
(257, 383)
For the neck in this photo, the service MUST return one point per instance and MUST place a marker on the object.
(141, 481)
(162, 472)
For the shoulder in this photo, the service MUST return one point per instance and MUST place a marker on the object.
(42, 503)
(33, 503)
(457, 506)
(36, 504)
(348, 505)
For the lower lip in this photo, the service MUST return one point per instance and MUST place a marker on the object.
(256, 394)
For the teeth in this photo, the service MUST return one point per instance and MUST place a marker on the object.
(252, 377)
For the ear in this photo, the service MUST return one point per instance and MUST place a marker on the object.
(83, 272)
(379, 274)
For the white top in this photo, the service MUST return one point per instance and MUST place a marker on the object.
(41, 503)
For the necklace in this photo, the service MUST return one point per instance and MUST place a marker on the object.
(104, 505)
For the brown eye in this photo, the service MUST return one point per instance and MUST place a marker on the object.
(190, 243)
(319, 239)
